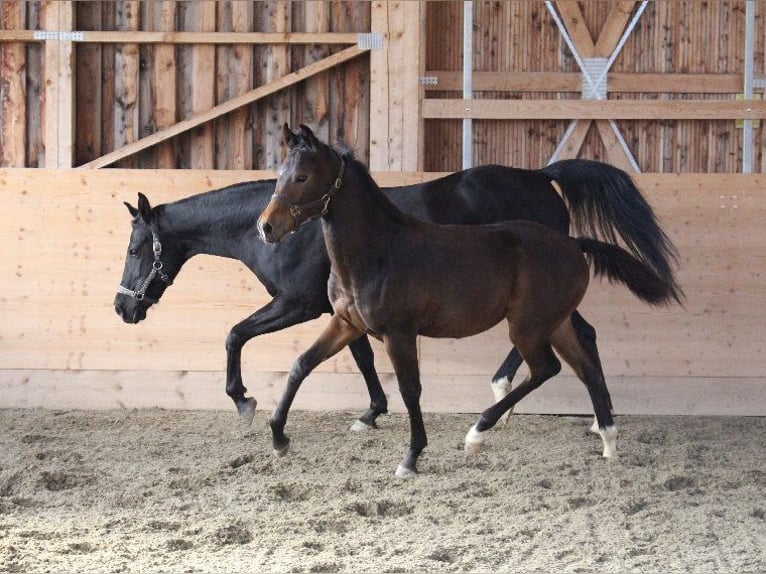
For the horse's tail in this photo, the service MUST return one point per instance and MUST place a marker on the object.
(618, 266)
(604, 202)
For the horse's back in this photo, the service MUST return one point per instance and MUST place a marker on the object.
(485, 194)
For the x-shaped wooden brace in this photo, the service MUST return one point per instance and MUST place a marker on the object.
(594, 80)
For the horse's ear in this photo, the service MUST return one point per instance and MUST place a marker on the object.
(144, 209)
(308, 135)
(288, 137)
(133, 211)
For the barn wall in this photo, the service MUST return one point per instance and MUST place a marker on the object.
(141, 67)
(65, 234)
(678, 51)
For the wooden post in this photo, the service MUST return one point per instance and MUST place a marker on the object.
(12, 73)
(59, 86)
(396, 127)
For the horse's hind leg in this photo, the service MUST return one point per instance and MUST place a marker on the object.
(502, 381)
(365, 360)
(586, 335)
(584, 360)
(543, 365)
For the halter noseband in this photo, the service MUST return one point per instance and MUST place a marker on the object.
(140, 293)
(299, 212)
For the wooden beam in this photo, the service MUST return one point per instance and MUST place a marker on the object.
(12, 90)
(226, 107)
(59, 87)
(169, 37)
(594, 110)
(557, 82)
(396, 124)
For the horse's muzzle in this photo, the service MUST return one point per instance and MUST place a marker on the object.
(132, 314)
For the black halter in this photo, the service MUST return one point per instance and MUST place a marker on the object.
(315, 209)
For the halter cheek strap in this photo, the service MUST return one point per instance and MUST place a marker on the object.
(315, 209)
(140, 293)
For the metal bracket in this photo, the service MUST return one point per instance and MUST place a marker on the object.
(370, 41)
(54, 35)
(428, 81)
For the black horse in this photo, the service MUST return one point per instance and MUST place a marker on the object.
(601, 200)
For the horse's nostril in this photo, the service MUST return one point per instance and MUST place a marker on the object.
(266, 229)
(118, 310)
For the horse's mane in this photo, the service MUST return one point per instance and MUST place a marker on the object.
(370, 186)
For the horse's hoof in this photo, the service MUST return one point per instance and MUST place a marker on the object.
(404, 472)
(246, 411)
(282, 450)
(474, 441)
(360, 426)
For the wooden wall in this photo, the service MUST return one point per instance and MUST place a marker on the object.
(684, 51)
(229, 72)
(65, 233)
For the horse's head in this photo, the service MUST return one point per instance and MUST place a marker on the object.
(150, 265)
(308, 178)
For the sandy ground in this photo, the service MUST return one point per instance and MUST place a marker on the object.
(169, 491)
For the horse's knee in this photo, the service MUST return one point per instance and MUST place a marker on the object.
(233, 341)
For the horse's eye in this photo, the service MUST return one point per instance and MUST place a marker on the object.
(132, 252)
(301, 178)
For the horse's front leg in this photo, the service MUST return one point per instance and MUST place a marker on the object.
(365, 360)
(278, 314)
(336, 335)
(402, 349)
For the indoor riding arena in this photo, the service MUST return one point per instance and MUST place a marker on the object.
(151, 342)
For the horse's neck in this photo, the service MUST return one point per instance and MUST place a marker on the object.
(359, 225)
(211, 224)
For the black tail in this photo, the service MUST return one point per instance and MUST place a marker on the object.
(604, 202)
(619, 266)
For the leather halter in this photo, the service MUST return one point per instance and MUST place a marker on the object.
(140, 293)
(302, 213)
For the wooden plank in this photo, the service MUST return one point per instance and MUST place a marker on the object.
(315, 95)
(65, 251)
(574, 21)
(595, 110)
(163, 82)
(203, 390)
(277, 64)
(59, 87)
(89, 93)
(380, 96)
(171, 37)
(13, 119)
(396, 133)
(234, 70)
(613, 28)
(202, 151)
(226, 107)
(126, 80)
(554, 82)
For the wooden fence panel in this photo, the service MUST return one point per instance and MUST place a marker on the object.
(66, 233)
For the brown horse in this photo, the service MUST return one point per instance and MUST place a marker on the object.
(396, 277)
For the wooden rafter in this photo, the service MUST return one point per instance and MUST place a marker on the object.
(604, 47)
